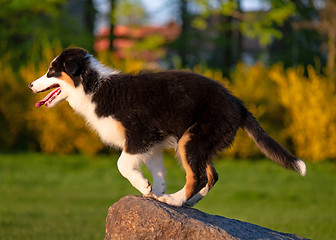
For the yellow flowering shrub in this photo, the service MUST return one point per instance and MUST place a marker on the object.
(310, 103)
(292, 107)
(13, 102)
(252, 85)
(127, 65)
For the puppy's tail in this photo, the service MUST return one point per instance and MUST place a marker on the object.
(270, 147)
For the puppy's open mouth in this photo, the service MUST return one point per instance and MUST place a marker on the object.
(50, 97)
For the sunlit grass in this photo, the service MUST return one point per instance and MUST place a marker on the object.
(67, 197)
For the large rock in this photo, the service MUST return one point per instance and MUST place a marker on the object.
(134, 217)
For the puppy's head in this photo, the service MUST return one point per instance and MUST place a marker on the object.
(63, 75)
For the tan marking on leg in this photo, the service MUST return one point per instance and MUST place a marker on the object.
(121, 129)
(190, 176)
(66, 78)
(211, 172)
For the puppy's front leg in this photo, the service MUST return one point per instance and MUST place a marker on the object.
(129, 167)
(154, 164)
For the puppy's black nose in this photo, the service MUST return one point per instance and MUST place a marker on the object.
(30, 85)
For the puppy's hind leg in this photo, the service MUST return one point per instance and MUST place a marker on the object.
(155, 166)
(212, 179)
(196, 178)
(129, 167)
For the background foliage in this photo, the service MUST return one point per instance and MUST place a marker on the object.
(291, 91)
(294, 108)
(310, 117)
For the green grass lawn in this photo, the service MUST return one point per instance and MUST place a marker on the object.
(67, 197)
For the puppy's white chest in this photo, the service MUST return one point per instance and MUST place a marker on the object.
(110, 131)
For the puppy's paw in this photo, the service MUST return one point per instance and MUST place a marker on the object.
(159, 188)
(171, 199)
(145, 189)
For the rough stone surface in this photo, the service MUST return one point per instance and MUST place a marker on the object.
(135, 217)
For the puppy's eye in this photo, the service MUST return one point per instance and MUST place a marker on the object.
(51, 71)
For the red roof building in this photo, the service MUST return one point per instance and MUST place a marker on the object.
(127, 39)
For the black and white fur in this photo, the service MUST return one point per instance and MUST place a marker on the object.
(146, 112)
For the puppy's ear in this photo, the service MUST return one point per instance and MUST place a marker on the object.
(74, 60)
(72, 66)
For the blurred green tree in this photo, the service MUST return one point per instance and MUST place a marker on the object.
(25, 22)
(322, 21)
(130, 12)
(300, 45)
(27, 26)
(218, 27)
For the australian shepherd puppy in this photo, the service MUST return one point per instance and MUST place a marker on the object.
(143, 113)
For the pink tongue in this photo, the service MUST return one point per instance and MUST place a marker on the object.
(43, 101)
